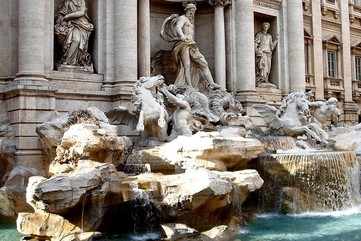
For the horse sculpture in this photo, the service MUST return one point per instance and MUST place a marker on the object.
(149, 105)
(293, 118)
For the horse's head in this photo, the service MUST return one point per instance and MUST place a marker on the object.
(151, 82)
(296, 101)
(302, 104)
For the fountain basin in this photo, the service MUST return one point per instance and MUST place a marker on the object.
(309, 181)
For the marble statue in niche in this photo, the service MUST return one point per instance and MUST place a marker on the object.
(264, 46)
(192, 65)
(72, 29)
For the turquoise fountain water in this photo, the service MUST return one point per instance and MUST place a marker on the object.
(8, 231)
(336, 226)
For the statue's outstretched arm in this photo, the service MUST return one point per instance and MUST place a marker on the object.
(315, 103)
(173, 99)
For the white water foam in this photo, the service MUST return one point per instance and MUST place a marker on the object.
(340, 213)
(148, 236)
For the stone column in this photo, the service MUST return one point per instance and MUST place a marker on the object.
(220, 42)
(32, 29)
(109, 69)
(350, 108)
(125, 42)
(230, 48)
(144, 37)
(346, 50)
(245, 54)
(296, 54)
(317, 49)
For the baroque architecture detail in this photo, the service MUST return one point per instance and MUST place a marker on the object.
(72, 29)
(157, 119)
(191, 63)
(264, 46)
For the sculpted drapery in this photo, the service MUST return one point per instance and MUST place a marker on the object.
(264, 46)
(73, 29)
(192, 66)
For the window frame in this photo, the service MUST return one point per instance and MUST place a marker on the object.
(332, 66)
(357, 66)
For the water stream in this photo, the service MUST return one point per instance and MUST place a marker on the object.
(314, 181)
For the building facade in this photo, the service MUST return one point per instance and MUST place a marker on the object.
(332, 37)
(316, 46)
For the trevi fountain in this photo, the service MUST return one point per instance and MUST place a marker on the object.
(184, 157)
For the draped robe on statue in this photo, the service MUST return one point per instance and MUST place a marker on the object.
(74, 34)
(169, 33)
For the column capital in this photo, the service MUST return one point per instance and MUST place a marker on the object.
(219, 3)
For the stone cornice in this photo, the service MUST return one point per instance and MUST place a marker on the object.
(274, 4)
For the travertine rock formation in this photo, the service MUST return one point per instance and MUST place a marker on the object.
(90, 141)
(51, 132)
(7, 150)
(84, 134)
(211, 150)
(86, 188)
(51, 226)
(194, 193)
(13, 177)
(12, 194)
(181, 232)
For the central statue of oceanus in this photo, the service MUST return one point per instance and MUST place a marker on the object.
(192, 66)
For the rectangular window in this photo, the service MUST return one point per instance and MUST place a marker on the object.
(358, 67)
(332, 64)
(331, 1)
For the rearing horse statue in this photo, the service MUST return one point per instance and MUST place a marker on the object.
(293, 118)
(149, 104)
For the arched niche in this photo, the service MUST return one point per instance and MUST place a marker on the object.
(204, 29)
(96, 12)
(259, 19)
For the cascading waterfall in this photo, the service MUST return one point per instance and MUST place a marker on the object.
(143, 212)
(309, 181)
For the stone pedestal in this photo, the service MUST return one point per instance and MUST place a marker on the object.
(269, 93)
(248, 98)
(74, 69)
